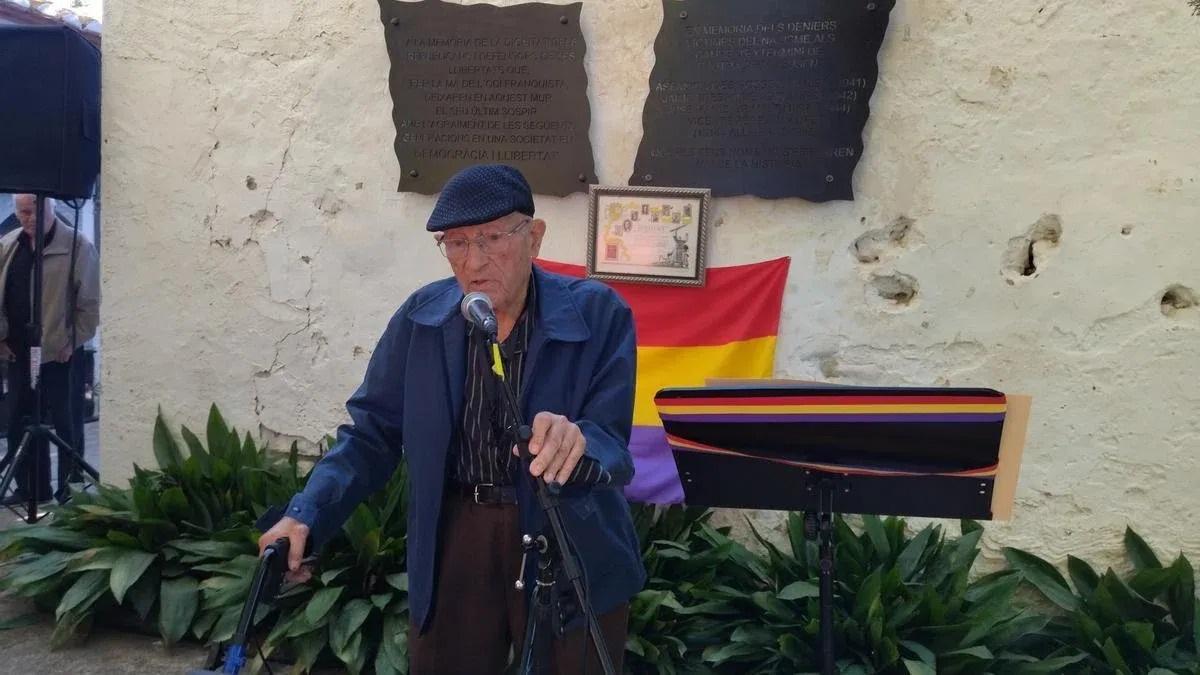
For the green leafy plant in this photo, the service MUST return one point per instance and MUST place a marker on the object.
(1145, 622)
(143, 552)
(685, 557)
(355, 611)
(901, 604)
(175, 551)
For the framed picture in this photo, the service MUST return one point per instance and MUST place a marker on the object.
(653, 235)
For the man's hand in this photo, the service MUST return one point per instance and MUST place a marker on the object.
(6, 353)
(64, 355)
(557, 446)
(297, 535)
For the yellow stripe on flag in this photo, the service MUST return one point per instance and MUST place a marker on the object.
(663, 367)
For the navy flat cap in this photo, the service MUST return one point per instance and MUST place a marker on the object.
(480, 194)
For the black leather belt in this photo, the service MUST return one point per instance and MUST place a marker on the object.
(487, 493)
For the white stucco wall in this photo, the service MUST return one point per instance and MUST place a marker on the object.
(994, 124)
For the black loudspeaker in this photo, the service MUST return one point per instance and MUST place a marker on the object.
(49, 111)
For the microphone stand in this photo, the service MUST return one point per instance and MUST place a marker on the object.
(553, 549)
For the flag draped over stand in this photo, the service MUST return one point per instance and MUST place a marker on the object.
(685, 336)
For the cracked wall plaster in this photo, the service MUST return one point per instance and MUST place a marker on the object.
(255, 246)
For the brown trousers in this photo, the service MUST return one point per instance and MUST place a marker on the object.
(478, 615)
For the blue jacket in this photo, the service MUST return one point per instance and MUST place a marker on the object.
(581, 364)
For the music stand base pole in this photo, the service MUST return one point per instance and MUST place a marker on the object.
(826, 562)
(818, 524)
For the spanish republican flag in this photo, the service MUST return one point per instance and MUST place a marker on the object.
(686, 336)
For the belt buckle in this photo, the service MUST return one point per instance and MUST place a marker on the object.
(481, 485)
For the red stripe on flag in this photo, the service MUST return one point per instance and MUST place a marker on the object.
(736, 303)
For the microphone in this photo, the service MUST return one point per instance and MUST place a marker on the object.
(477, 309)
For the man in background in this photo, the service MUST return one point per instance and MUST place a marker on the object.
(70, 315)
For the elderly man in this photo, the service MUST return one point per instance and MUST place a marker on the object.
(70, 314)
(569, 345)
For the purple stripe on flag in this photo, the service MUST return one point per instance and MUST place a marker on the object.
(655, 478)
(801, 418)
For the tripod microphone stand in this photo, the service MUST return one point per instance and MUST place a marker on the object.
(554, 551)
(37, 432)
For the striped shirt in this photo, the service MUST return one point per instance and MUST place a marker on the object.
(487, 431)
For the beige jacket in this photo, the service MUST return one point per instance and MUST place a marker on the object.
(56, 330)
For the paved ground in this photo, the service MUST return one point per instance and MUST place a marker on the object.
(26, 650)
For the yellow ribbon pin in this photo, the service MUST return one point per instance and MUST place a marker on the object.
(497, 364)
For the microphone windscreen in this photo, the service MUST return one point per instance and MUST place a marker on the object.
(472, 298)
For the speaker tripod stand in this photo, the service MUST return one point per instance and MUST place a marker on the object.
(37, 433)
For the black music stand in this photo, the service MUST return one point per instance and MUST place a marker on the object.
(828, 449)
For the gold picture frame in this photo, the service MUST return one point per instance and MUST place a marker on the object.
(652, 235)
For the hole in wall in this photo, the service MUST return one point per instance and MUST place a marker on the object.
(874, 244)
(1027, 254)
(1178, 298)
(897, 288)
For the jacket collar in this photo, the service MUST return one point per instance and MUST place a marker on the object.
(558, 317)
(61, 242)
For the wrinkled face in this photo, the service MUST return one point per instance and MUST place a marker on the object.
(25, 207)
(495, 258)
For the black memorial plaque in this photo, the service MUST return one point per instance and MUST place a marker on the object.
(481, 84)
(761, 97)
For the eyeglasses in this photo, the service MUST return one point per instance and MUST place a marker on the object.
(456, 248)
